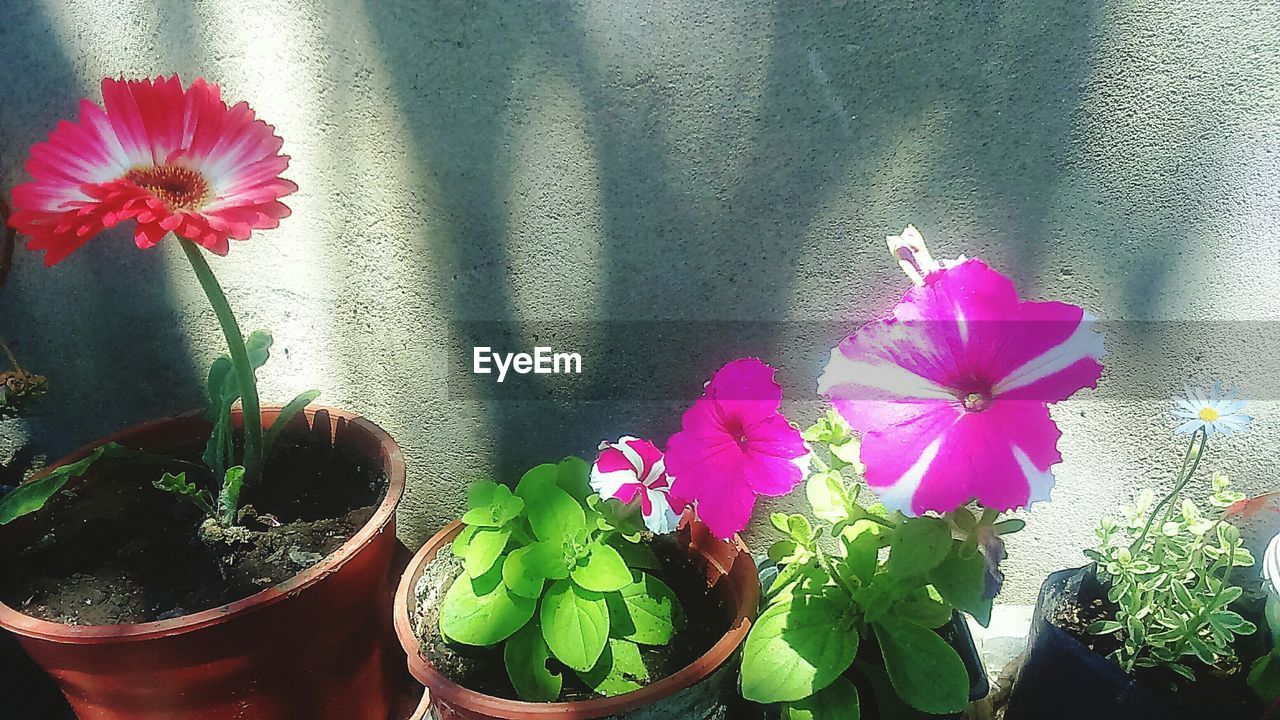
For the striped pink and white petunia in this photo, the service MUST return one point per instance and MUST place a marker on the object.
(951, 392)
(169, 159)
(634, 470)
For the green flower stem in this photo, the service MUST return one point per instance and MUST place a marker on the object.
(1184, 476)
(239, 360)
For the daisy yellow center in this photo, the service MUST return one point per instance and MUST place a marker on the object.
(178, 187)
(1209, 414)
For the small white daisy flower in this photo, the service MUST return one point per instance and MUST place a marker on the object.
(1214, 411)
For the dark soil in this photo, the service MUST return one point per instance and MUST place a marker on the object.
(116, 550)
(1213, 685)
(483, 670)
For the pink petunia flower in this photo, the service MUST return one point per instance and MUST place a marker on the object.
(633, 469)
(169, 159)
(951, 393)
(733, 445)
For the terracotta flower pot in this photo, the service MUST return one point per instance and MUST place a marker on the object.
(315, 646)
(700, 691)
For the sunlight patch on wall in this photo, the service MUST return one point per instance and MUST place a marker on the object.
(278, 277)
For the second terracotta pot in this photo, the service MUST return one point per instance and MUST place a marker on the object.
(703, 690)
(316, 646)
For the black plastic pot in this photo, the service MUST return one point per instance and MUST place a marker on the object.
(1062, 679)
(870, 688)
(25, 691)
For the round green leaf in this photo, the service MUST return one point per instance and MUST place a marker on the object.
(796, 649)
(646, 611)
(961, 581)
(485, 548)
(525, 655)
(919, 544)
(925, 671)
(827, 496)
(526, 569)
(837, 701)
(620, 669)
(552, 512)
(482, 611)
(604, 571)
(575, 624)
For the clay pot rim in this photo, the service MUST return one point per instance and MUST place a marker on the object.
(28, 626)
(453, 693)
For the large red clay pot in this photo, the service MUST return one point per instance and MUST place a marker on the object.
(314, 647)
(694, 693)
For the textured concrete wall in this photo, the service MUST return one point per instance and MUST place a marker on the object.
(600, 162)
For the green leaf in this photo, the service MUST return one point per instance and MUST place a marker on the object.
(922, 609)
(482, 611)
(926, 672)
(961, 581)
(619, 670)
(605, 570)
(462, 541)
(796, 649)
(862, 556)
(1264, 677)
(492, 505)
(486, 546)
(828, 497)
(216, 384)
(575, 624)
(646, 611)
(552, 512)
(526, 569)
(287, 414)
(31, 496)
(837, 701)
(919, 545)
(525, 655)
(573, 475)
(229, 496)
(848, 452)
(180, 486)
(222, 390)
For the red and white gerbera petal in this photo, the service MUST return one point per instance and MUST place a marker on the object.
(172, 160)
(634, 470)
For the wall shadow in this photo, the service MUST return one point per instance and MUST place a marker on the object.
(107, 306)
(846, 83)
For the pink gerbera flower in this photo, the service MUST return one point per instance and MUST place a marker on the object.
(733, 445)
(633, 469)
(169, 159)
(951, 393)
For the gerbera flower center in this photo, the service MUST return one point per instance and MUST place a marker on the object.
(1209, 414)
(178, 187)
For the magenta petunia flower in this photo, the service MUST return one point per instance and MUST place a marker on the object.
(951, 393)
(169, 159)
(633, 469)
(733, 445)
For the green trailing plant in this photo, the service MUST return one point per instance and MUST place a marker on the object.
(853, 574)
(1168, 567)
(552, 571)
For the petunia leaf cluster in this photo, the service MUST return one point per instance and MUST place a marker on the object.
(853, 578)
(1169, 572)
(554, 572)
